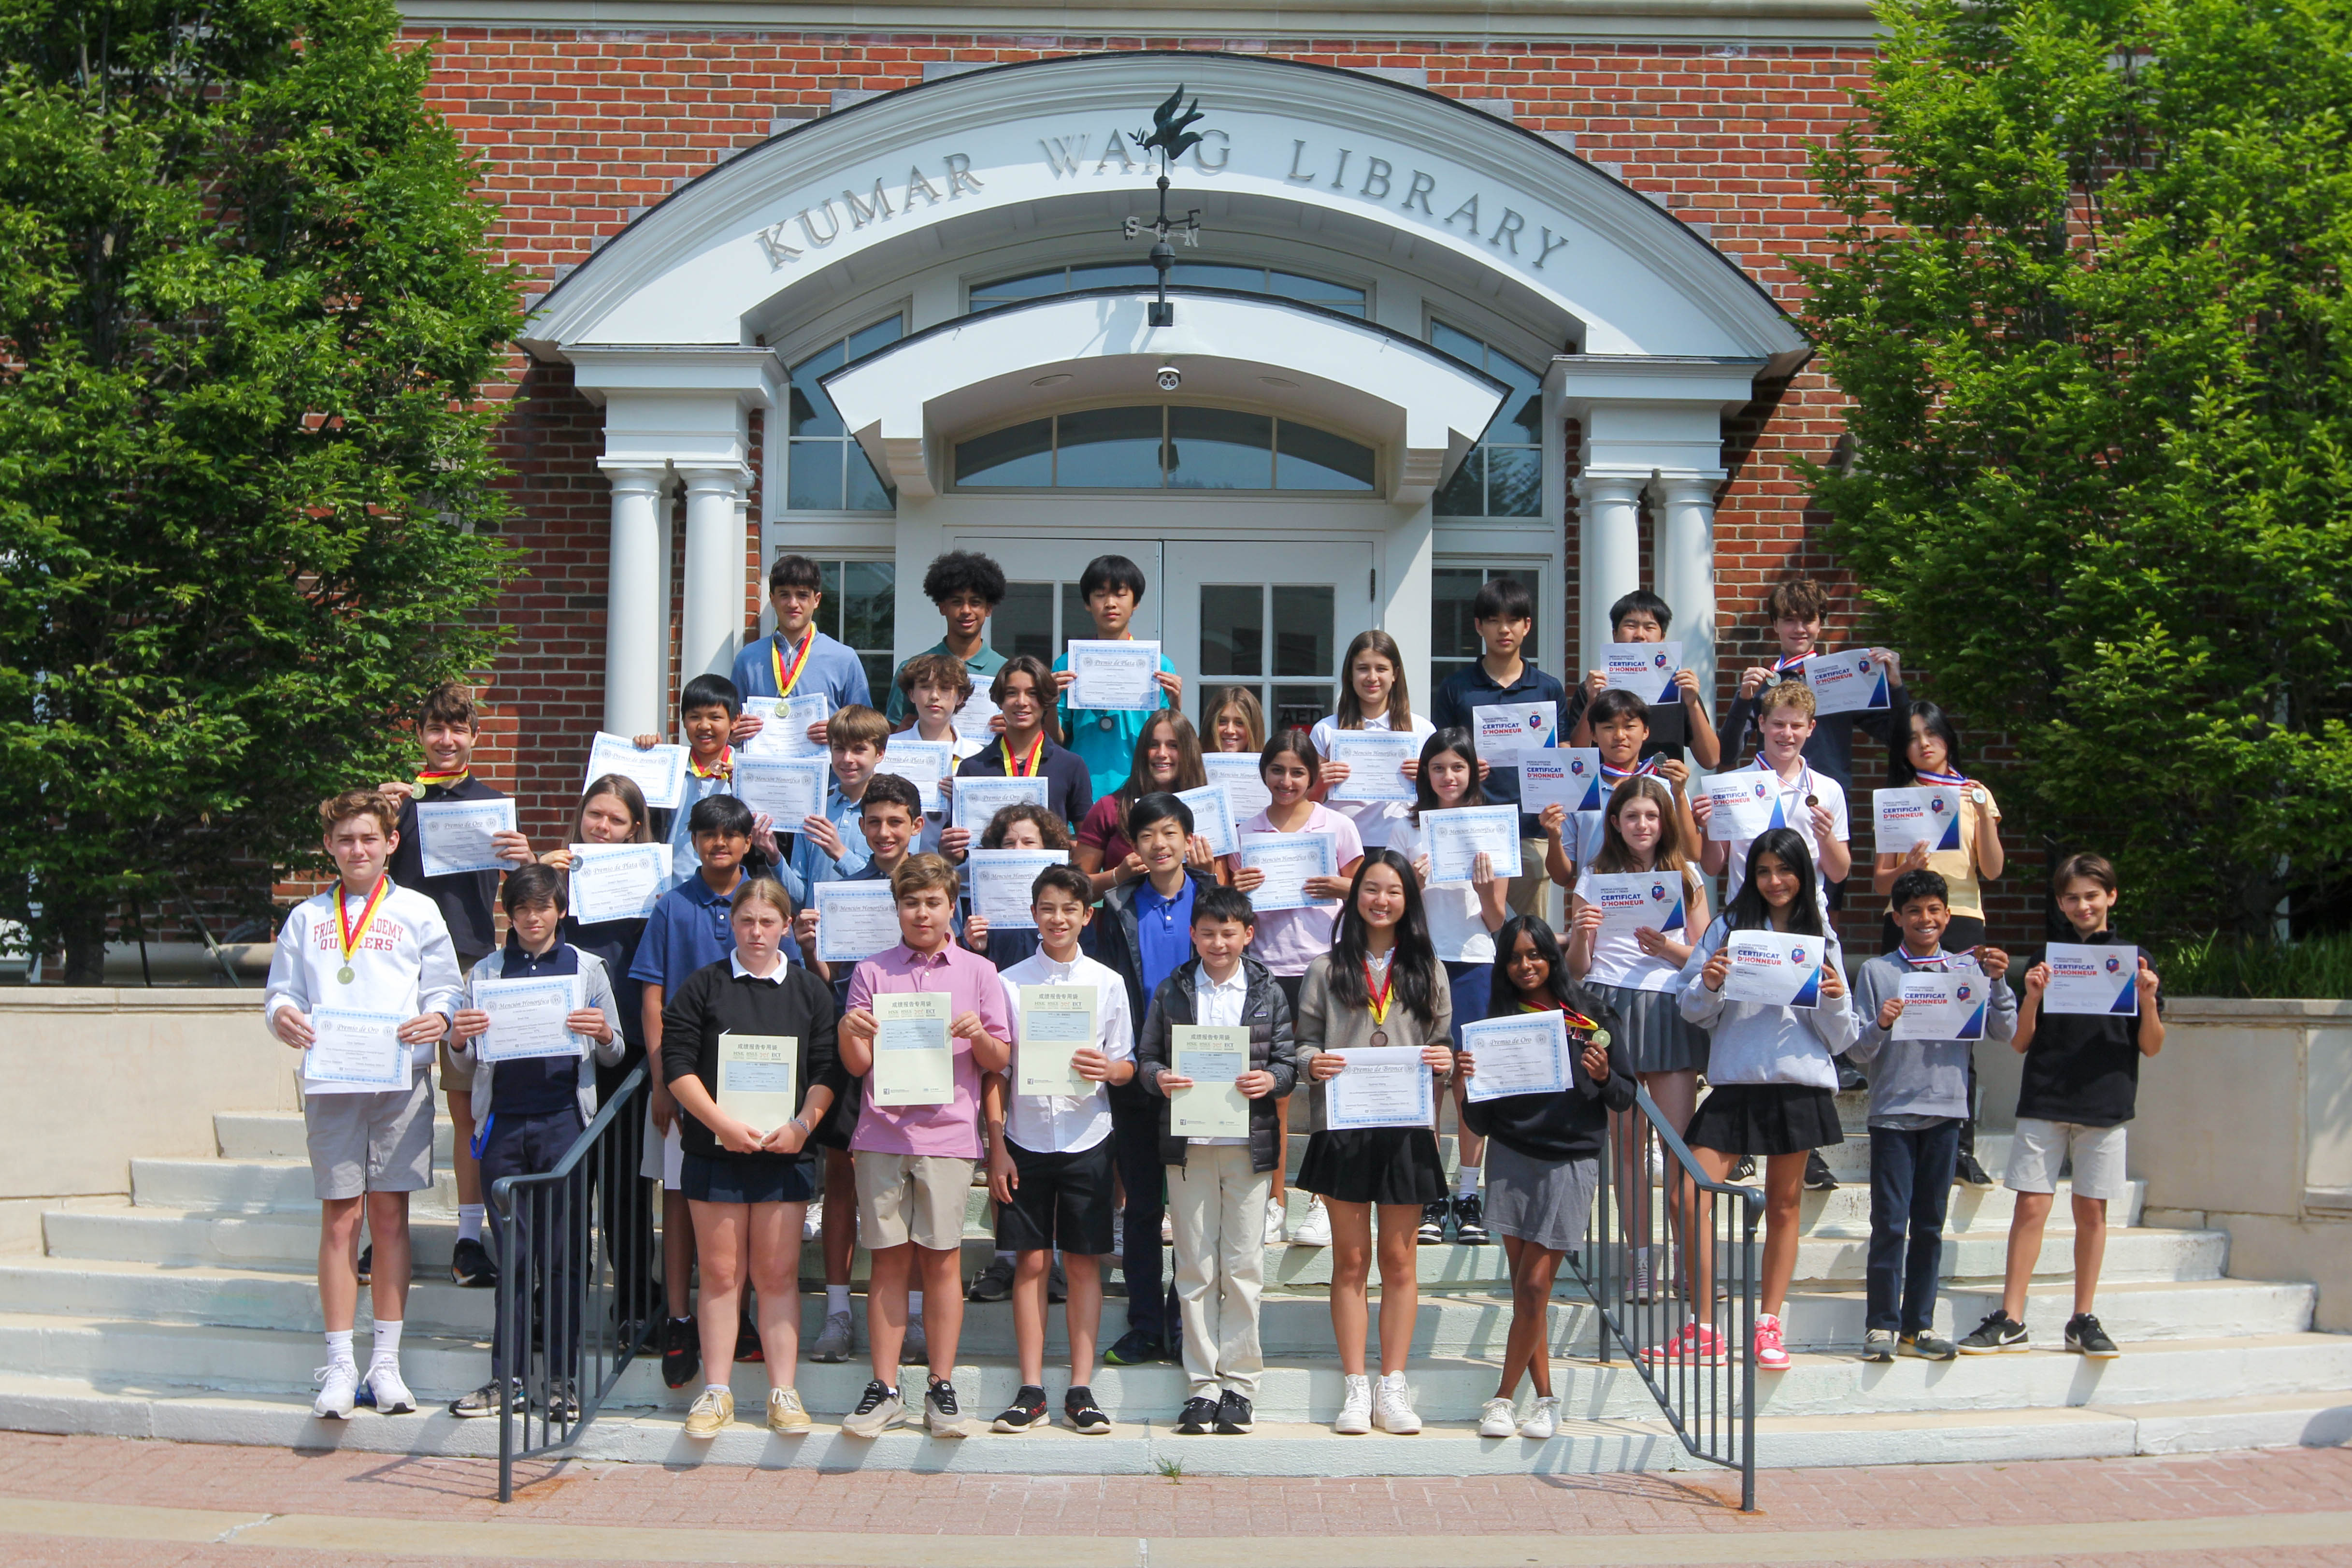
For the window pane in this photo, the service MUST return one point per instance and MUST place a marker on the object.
(1075, 622)
(1460, 345)
(1303, 622)
(1109, 449)
(828, 612)
(1018, 454)
(1213, 275)
(812, 412)
(1219, 449)
(1451, 634)
(1514, 482)
(1233, 630)
(869, 606)
(880, 669)
(881, 334)
(866, 493)
(1521, 418)
(1464, 494)
(814, 481)
(1111, 274)
(1316, 291)
(1297, 707)
(1024, 622)
(1032, 286)
(1316, 459)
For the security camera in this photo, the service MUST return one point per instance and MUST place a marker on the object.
(1168, 377)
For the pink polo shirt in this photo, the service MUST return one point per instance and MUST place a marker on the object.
(971, 986)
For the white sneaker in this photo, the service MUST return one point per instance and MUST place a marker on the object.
(1355, 1409)
(1543, 1422)
(339, 1387)
(813, 1223)
(392, 1395)
(1274, 1219)
(1118, 1237)
(1314, 1230)
(1392, 1407)
(1168, 1230)
(1641, 1285)
(1497, 1418)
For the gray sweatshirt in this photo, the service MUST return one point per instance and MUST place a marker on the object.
(1912, 1078)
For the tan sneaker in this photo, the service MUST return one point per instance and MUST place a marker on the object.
(710, 1414)
(786, 1413)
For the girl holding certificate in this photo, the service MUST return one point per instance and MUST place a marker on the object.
(1167, 759)
(1379, 989)
(1545, 1160)
(1931, 758)
(743, 1042)
(1014, 827)
(1288, 941)
(1375, 699)
(1773, 1072)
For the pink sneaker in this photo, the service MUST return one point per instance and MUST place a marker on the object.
(1770, 1354)
(1696, 1345)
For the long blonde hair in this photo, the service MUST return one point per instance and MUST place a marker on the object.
(1241, 701)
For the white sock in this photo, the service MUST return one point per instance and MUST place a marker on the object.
(837, 1299)
(914, 1306)
(716, 1388)
(339, 1348)
(469, 1222)
(387, 1344)
(1466, 1181)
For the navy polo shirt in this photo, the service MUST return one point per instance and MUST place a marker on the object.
(1472, 688)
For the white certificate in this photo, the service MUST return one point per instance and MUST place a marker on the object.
(1743, 803)
(1526, 1055)
(1000, 883)
(913, 1062)
(1212, 1057)
(1947, 1006)
(980, 797)
(790, 790)
(759, 1079)
(1375, 760)
(1055, 1022)
(974, 719)
(353, 1052)
(527, 1017)
(1287, 860)
(1774, 969)
(1382, 1086)
(1929, 815)
(659, 772)
(922, 763)
(454, 835)
(855, 921)
(1846, 682)
(617, 881)
(1213, 818)
(1114, 674)
(1646, 669)
(1456, 838)
(1629, 901)
(1568, 776)
(2085, 978)
(1507, 729)
(1245, 786)
(785, 725)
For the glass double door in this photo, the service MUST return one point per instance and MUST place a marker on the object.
(1272, 616)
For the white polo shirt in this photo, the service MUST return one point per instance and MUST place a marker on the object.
(1064, 1123)
(1793, 811)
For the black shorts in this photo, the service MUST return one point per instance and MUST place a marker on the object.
(766, 1179)
(1058, 1200)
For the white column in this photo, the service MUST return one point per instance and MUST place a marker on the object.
(637, 612)
(1551, 621)
(1612, 565)
(713, 623)
(1406, 583)
(1686, 570)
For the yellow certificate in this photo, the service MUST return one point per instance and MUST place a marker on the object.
(1212, 1059)
(758, 1079)
(1055, 1021)
(913, 1062)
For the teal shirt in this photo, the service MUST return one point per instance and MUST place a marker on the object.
(982, 666)
(1105, 739)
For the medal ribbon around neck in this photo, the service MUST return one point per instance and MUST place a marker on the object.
(352, 935)
(1028, 768)
(1930, 777)
(1646, 769)
(1576, 1020)
(1377, 998)
(429, 780)
(1788, 661)
(786, 681)
(724, 768)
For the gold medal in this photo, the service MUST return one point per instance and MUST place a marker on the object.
(349, 934)
(1600, 1038)
(346, 974)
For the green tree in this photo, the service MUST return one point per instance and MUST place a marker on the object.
(247, 502)
(2089, 304)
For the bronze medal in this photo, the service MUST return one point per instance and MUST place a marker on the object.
(1380, 1037)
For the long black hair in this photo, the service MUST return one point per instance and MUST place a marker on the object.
(1748, 911)
(1899, 766)
(1462, 744)
(1412, 967)
(1503, 994)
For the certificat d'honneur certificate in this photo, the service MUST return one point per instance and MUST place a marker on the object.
(659, 772)
(1775, 970)
(1947, 1006)
(527, 1017)
(1457, 837)
(1055, 1022)
(1382, 1086)
(1743, 803)
(353, 1052)
(1114, 674)
(1568, 776)
(454, 835)
(617, 881)
(1846, 682)
(1507, 729)
(1526, 1055)
(785, 725)
(913, 1063)
(1375, 760)
(1628, 900)
(1647, 669)
(1214, 1107)
(1903, 817)
(2085, 979)
(1287, 860)
(758, 1078)
(855, 921)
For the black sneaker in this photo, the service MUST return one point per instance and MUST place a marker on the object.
(1057, 1284)
(681, 1351)
(1084, 1414)
(1136, 1348)
(1997, 1333)
(484, 1401)
(1233, 1413)
(1968, 1173)
(471, 1265)
(1743, 1171)
(1433, 1223)
(1027, 1410)
(1198, 1418)
(1817, 1173)
(2084, 1337)
(367, 1263)
(993, 1283)
(562, 1404)
(1470, 1221)
(747, 1341)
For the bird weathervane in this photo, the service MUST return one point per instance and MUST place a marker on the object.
(1171, 137)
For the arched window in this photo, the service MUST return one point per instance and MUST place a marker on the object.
(1154, 446)
(1340, 296)
(826, 470)
(1503, 475)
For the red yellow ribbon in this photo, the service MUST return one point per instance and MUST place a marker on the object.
(724, 768)
(435, 780)
(1378, 998)
(1028, 765)
(351, 936)
(786, 682)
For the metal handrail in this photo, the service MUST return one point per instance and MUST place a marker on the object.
(555, 1282)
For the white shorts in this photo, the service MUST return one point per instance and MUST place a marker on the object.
(2039, 1148)
(665, 1157)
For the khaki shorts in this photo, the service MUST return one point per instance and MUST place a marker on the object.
(911, 1198)
(456, 1072)
(379, 1143)
(2039, 1148)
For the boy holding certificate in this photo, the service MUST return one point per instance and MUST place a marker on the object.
(2080, 1086)
(925, 1020)
(1797, 608)
(1023, 692)
(1104, 738)
(966, 587)
(1049, 1143)
(1639, 619)
(448, 724)
(796, 659)
(1788, 793)
(936, 686)
(827, 847)
(363, 981)
(1918, 1100)
(538, 1017)
(1219, 1032)
(1505, 615)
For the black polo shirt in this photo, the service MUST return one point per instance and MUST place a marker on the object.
(1471, 687)
(466, 899)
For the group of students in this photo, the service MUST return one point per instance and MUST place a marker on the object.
(1165, 934)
